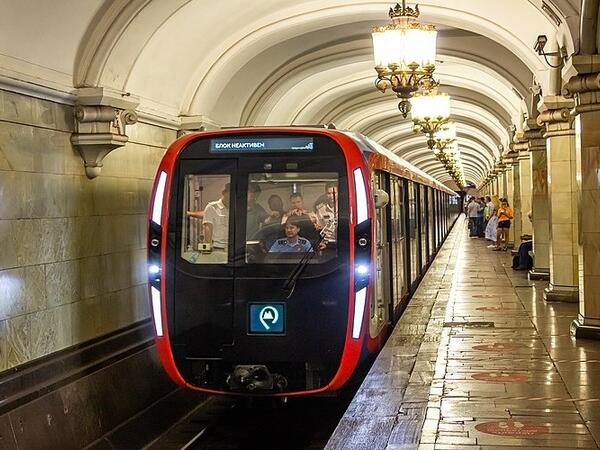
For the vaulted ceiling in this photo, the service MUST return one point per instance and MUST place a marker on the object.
(272, 62)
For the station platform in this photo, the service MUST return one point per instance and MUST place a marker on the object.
(478, 361)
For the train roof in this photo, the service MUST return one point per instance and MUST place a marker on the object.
(402, 166)
(368, 146)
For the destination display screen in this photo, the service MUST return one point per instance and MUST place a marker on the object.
(261, 145)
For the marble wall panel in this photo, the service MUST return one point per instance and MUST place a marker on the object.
(63, 282)
(133, 161)
(3, 345)
(121, 195)
(41, 150)
(591, 257)
(34, 335)
(562, 238)
(8, 244)
(561, 182)
(562, 209)
(590, 211)
(590, 308)
(122, 232)
(75, 247)
(150, 135)
(23, 291)
(565, 273)
(89, 318)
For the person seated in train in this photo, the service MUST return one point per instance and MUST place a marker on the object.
(277, 211)
(326, 211)
(292, 241)
(256, 214)
(215, 222)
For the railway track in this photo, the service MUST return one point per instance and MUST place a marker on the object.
(226, 423)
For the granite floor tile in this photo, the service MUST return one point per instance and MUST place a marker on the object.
(493, 366)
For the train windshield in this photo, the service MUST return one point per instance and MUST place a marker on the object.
(290, 214)
(287, 215)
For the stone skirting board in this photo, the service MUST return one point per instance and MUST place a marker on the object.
(84, 394)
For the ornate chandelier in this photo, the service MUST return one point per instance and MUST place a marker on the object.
(430, 112)
(405, 53)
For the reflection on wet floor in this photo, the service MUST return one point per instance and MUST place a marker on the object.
(480, 361)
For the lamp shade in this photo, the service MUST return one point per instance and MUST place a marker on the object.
(404, 46)
(427, 107)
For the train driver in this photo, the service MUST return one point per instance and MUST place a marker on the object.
(292, 242)
(215, 222)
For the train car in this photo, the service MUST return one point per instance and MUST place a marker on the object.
(279, 258)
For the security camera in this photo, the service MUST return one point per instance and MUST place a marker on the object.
(540, 43)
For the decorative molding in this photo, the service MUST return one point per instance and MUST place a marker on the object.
(191, 124)
(101, 116)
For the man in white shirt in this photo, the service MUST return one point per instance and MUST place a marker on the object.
(215, 222)
(326, 212)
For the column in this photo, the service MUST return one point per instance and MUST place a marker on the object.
(510, 194)
(586, 89)
(515, 201)
(539, 202)
(562, 199)
(525, 190)
(504, 189)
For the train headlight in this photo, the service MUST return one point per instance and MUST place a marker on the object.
(360, 299)
(362, 269)
(153, 269)
(157, 204)
(362, 208)
(156, 310)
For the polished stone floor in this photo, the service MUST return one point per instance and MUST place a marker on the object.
(478, 361)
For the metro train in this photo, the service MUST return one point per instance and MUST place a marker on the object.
(280, 258)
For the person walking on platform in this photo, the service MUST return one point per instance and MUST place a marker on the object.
(473, 213)
(505, 215)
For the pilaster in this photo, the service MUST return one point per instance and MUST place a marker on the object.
(539, 201)
(515, 201)
(559, 132)
(585, 89)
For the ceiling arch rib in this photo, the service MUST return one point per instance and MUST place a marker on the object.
(216, 60)
(327, 86)
(220, 78)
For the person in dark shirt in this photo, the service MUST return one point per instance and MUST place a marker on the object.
(256, 214)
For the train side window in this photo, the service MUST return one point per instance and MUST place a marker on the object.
(286, 215)
(205, 238)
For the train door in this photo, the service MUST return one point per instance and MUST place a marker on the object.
(206, 193)
(381, 287)
(398, 238)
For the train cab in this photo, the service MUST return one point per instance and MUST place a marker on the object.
(264, 260)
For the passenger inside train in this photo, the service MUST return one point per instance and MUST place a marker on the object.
(270, 220)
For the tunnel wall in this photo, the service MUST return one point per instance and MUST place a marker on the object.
(72, 250)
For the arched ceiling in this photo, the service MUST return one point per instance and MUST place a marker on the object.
(302, 62)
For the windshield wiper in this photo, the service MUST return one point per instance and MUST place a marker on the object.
(290, 282)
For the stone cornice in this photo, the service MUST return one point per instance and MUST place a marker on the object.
(557, 119)
(585, 88)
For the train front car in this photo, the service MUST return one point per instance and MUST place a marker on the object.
(259, 260)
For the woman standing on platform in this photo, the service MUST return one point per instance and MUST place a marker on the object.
(491, 229)
(505, 215)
